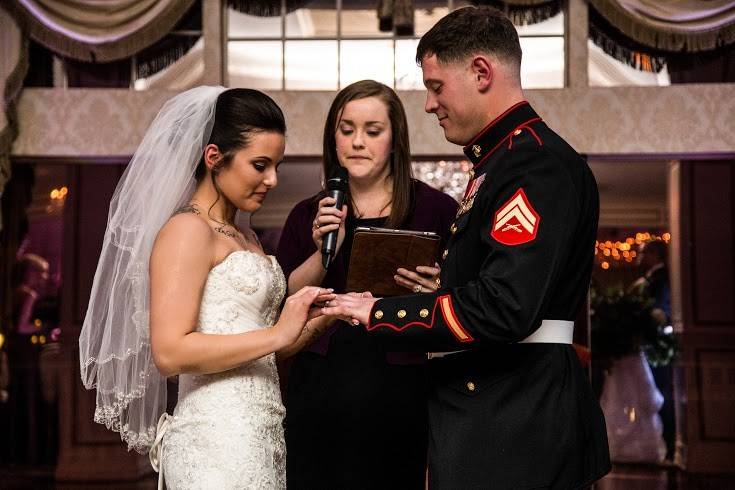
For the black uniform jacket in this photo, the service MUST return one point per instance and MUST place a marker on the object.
(504, 414)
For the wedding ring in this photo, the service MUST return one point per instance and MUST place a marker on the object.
(417, 288)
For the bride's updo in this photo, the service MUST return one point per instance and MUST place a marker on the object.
(239, 113)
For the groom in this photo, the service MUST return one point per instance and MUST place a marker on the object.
(510, 406)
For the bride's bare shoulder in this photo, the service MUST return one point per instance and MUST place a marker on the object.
(185, 233)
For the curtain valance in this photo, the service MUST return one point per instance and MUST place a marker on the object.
(672, 25)
(646, 34)
(525, 12)
(95, 31)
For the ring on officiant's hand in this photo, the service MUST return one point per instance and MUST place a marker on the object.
(417, 288)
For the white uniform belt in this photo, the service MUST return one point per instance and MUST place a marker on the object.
(549, 332)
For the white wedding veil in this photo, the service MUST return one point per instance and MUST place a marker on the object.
(114, 345)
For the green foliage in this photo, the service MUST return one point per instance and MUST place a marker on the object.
(625, 322)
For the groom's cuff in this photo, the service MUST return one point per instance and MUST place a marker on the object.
(422, 317)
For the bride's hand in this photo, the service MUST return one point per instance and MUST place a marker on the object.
(299, 308)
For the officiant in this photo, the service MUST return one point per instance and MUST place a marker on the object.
(356, 414)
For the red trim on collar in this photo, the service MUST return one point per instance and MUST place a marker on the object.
(522, 125)
(494, 121)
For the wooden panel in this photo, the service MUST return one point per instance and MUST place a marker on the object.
(716, 370)
(707, 247)
(712, 232)
(88, 452)
(96, 184)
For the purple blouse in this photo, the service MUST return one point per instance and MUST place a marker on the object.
(433, 211)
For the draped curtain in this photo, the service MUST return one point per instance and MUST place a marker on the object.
(13, 67)
(95, 31)
(645, 33)
(525, 12)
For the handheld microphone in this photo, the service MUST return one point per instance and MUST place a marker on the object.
(336, 189)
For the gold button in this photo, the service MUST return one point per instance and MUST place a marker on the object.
(424, 313)
(477, 150)
(444, 255)
(401, 313)
(471, 386)
(453, 228)
(472, 173)
(516, 132)
(378, 314)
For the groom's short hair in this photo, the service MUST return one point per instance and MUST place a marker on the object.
(469, 31)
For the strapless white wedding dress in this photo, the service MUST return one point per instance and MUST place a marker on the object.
(227, 428)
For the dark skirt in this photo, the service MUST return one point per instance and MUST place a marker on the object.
(353, 421)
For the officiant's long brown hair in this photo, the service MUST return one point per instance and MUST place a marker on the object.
(400, 157)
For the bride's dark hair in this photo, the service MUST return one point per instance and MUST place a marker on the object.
(239, 113)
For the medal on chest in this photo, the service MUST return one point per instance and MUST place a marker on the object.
(469, 195)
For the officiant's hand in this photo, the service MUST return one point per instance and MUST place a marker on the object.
(328, 218)
(424, 280)
(299, 308)
(352, 307)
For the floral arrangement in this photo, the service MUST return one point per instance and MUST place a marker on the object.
(624, 322)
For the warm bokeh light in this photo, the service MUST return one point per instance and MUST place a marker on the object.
(623, 250)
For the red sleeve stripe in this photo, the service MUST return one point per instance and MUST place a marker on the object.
(450, 318)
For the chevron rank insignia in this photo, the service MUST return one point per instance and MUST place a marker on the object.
(516, 222)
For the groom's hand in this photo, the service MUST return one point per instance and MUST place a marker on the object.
(352, 307)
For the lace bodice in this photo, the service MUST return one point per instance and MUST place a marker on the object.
(242, 293)
(226, 431)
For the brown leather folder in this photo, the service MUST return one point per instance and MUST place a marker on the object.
(377, 253)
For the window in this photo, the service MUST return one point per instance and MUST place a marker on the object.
(329, 47)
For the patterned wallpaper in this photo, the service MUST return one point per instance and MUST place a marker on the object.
(624, 120)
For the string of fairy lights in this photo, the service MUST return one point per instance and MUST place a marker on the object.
(609, 253)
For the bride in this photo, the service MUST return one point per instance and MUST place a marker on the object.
(179, 290)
